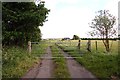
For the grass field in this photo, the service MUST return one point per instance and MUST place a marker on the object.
(101, 49)
(100, 63)
(16, 60)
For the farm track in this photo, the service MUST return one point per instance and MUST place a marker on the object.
(76, 70)
(43, 69)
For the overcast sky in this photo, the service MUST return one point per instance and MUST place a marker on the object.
(69, 17)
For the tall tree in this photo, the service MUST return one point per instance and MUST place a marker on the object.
(75, 37)
(21, 21)
(103, 26)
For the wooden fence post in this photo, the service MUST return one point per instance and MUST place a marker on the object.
(89, 45)
(29, 46)
(96, 45)
(79, 44)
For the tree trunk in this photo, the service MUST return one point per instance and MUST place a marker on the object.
(107, 41)
(107, 45)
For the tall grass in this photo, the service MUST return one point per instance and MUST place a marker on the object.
(16, 61)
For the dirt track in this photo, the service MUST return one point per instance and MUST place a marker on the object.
(43, 69)
(75, 69)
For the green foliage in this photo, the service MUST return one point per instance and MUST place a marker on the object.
(103, 24)
(21, 21)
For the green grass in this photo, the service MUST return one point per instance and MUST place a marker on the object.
(39, 49)
(100, 63)
(72, 45)
(60, 69)
(16, 61)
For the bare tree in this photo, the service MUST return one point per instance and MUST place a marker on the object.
(103, 26)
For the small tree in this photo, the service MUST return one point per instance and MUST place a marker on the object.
(103, 26)
(75, 37)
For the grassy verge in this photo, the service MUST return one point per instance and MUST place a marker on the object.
(101, 64)
(39, 49)
(16, 61)
(60, 69)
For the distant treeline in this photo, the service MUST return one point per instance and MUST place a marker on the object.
(99, 38)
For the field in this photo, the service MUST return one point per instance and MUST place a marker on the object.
(101, 48)
(99, 62)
